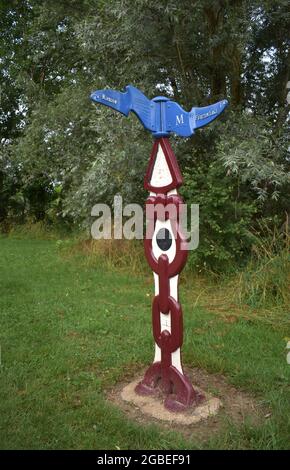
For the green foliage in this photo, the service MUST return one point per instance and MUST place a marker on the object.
(249, 149)
(53, 54)
(225, 216)
(265, 281)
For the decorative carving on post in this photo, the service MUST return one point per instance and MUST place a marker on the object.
(165, 245)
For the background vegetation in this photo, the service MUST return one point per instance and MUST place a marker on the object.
(60, 154)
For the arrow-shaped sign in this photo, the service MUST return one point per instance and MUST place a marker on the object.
(159, 115)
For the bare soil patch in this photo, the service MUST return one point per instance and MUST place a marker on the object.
(224, 404)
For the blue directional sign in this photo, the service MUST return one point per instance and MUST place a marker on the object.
(159, 115)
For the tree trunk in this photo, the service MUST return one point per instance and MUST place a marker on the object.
(215, 16)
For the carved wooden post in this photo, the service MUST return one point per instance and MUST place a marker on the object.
(165, 246)
(166, 253)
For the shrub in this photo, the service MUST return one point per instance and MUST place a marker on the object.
(266, 279)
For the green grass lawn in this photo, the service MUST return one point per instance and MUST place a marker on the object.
(70, 331)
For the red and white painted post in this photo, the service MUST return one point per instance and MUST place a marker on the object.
(166, 253)
(165, 245)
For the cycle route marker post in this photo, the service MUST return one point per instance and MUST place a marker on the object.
(165, 245)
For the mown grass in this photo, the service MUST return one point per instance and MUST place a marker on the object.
(71, 329)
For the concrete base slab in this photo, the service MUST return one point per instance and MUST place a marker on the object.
(153, 406)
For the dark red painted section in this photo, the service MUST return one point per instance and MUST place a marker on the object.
(181, 394)
(176, 266)
(163, 375)
(174, 340)
(163, 207)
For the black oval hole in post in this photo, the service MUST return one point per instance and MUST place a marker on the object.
(164, 239)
